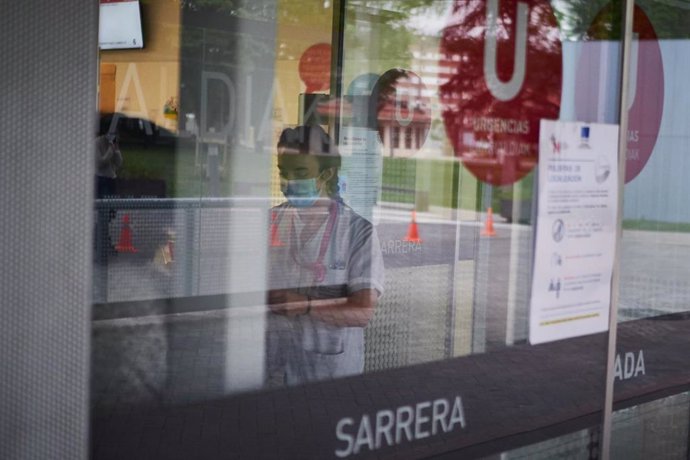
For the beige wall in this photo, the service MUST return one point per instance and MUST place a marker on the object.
(144, 79)
(301, 24)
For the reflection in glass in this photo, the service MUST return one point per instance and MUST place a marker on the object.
(326, 268)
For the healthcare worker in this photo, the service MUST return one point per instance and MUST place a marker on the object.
(326, 271)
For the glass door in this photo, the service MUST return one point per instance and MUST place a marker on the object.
(367, 228)
(650, 364)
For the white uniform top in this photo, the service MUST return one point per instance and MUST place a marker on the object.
(311, 349)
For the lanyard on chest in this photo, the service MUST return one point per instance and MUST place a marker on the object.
(317, 267)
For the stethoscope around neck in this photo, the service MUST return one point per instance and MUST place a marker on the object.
(317, 267)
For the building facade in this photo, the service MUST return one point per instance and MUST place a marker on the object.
(345, 229)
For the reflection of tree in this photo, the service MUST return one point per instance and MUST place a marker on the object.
(247, 9)
(393, 39)
(576, 16)
(221, 36)
(465, 95)
(229, 21)
(463, 51)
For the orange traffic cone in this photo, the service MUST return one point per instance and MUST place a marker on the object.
(275, 237)
(489, 224)
(413, 230)
(125, 242)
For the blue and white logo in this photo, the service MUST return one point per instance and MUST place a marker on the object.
(584, 137)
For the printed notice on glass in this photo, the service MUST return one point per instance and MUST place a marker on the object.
(360, 178)
(576, 230)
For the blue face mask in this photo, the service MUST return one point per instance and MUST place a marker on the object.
(301, 193)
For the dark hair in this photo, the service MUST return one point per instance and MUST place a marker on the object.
(385, 86)
(108, 123)
(313, 140)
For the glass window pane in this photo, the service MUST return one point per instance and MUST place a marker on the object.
(315, 228)
(653, 310)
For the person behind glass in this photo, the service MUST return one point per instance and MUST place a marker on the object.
(108, 161)
(327, 275)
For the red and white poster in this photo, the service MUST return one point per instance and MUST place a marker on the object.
(119, 25)
(645, 103)
(501, 72)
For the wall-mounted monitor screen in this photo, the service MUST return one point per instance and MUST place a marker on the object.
(120, 25)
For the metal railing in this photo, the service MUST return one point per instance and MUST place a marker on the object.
(166, 248)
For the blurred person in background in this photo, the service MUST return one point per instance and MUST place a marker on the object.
(327, 277)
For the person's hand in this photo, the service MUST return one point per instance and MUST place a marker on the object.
(287, 302)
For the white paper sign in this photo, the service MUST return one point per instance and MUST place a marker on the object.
(119, 25)
(361, 169)
(576, 230)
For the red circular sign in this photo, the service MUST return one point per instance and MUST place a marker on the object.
(645, 102)
(403, 109)
(501, 68)
(315, 67)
